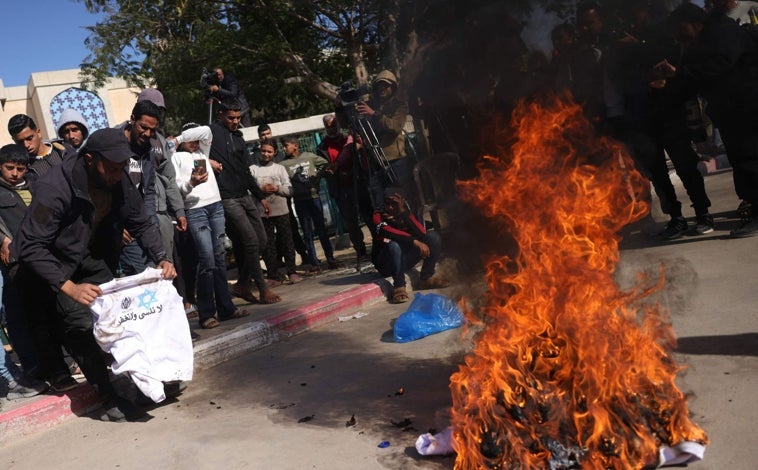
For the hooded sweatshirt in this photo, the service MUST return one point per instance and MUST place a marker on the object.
(72, 115)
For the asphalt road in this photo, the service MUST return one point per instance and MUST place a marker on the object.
(249, 412)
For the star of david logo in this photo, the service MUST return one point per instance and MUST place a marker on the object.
(147, 298)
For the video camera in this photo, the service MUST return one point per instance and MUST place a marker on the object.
(350, 96)
(209, 77)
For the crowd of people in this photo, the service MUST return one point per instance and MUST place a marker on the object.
(82, 209)
(659, 82)
(85, 207)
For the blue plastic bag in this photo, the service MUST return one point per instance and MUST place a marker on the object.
(427, 314)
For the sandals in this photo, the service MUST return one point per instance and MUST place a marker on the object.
(399, 295)
(212, 322)
(191, 311)
(268, 297)
(209, 323)
(237, 313)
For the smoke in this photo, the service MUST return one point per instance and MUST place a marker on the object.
(536, 31)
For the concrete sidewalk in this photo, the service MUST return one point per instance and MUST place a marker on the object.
(314, 301)
(321, 299)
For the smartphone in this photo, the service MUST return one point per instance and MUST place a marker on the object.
(200, 164)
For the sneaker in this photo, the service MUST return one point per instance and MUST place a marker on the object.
(295, 278)
(743, 210)
(25, 388)
(705, 224)
(748, 228)
(674, 229)
(64, 385)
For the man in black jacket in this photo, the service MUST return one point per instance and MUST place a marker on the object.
(243, 218)
(69, 242)
(718, 62)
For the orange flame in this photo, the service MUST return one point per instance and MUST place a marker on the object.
(566, 368)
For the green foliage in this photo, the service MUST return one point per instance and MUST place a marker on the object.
(288, 55)
(168, 44)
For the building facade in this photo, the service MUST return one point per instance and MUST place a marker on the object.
(48, 93)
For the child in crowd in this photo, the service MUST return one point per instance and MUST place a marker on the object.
(305, 170)
(400, 242)
(14, 161)
(275, 183)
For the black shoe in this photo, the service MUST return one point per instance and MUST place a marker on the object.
(174, 389)
(675, 228)
(64, 384)
(119, 410)
(744, 210)
(705, 224)
(748, 228)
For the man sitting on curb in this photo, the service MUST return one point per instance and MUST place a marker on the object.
(400, 242)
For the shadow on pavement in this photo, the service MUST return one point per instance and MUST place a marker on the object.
(745, 344)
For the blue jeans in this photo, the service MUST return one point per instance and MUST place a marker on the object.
(8, 370)
(206, 224)
(395, 259)
(311, 210)
(133, 259)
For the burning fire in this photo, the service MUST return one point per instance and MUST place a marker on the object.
(567, 371)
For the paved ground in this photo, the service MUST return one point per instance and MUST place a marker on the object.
(244, 413)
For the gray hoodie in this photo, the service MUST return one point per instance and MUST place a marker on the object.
(71, 115)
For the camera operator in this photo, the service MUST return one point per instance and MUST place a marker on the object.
(220, 85)
(386, 113)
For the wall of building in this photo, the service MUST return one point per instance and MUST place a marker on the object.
(37, 99)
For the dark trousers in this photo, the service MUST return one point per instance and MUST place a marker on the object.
(245, 228)
(741, 143)
(56, 319)
(650, 161)
(311, 216)
(354, 204)
(395, 259)
(297, 239)
(673, 137)
(379, 179)
(18, 325)
(279, 234)
(185, 262)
